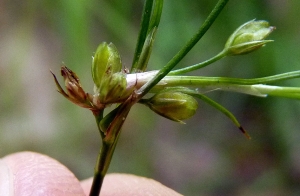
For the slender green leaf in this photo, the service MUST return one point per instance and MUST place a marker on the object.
(156, 15)
(143, 33)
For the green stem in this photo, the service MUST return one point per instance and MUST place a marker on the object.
(156, 15)
(199, 65)
(142, 62)
(259, 90)
(102, 164)
(109, 142)
(98, 117)
(101, 167)
(111, 135)
(179, 56)
(142, 55)
(247, 86)
(215, 82)
(142, 34)
(287, 92)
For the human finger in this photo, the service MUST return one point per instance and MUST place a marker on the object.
(29, 173)
(128, 185)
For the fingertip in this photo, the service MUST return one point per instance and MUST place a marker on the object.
(127, 185)
(29, 173)
(5, 188)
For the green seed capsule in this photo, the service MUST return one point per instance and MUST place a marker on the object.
(175, 106)
(110, 82)
(248, 37)
(113, 89)
(106, 62)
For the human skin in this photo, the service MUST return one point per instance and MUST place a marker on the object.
(30, 173)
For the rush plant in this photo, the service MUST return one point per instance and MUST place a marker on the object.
(172, 94)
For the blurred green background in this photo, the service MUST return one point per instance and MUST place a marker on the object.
(208, 155)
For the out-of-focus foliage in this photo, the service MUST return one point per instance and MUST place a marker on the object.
(208, 155)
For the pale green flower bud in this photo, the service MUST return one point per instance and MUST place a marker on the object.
(110, 82)
(175, 106)
(248, 37)
(113, 88)
(106, 62)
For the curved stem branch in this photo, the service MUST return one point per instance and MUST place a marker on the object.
(199, 65)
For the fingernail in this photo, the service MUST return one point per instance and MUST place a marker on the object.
(5, 179)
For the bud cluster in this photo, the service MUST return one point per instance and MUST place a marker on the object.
(110, 81)
(110, 84)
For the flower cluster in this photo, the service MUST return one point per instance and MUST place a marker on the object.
(112, 85)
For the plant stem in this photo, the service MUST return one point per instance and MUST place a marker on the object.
(142, 62)
(103, 161)
(147, 36)
(101, 167)
(98, 117)
(179, 56)
(202, 80)
(199, 65)
(109, 142)
(215, 82)
(156, 15)
(219, 83)
(287, 92)
(111, 135)
(142, 34)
